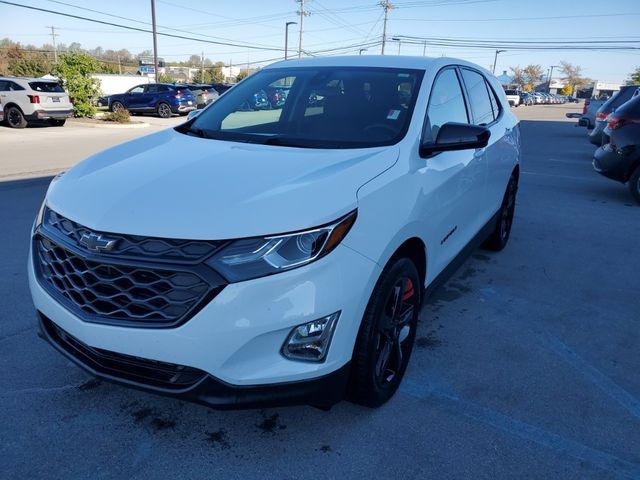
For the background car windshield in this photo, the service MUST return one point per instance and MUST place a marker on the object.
(315, 108)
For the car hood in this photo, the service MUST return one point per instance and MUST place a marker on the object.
(177, 186)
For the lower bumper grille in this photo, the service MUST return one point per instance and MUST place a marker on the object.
(118, 366)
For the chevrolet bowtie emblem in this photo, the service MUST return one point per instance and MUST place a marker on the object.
(95, 242)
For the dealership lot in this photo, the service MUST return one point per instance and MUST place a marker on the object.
(526, 363)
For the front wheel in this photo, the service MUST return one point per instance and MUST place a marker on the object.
(116, 106)
(164, 110)
(386, 335)
(500, 235)
(634, 184)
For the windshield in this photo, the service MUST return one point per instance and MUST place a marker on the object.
(330, 107)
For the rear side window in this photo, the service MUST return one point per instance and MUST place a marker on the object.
(184, 90)
(4, 86)
(481, 108)
(47, 87)
(446, 103)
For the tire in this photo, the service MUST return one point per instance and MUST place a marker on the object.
(386, 336)
(500, 235)
(54, 122)
(634, 184)
(163, 110)
(14, 117)
(116, 106)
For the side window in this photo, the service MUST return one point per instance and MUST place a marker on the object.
(446, 103)
(478, 97)
(137, 90)
(151, 89)
(4, 86)
(495, 105)
(14, 87)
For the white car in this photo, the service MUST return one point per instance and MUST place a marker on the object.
(26, 99)
(513, 97)
(283, 256)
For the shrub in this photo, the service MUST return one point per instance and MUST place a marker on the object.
(75, 69)
(120, 116)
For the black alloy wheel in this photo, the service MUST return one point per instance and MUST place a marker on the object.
(499, 238)
(386, 335)
(15, 118)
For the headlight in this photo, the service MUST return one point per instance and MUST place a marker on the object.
(260, 256)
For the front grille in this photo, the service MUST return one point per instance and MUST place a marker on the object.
(135, 246)
(119, 292)
(151, 373)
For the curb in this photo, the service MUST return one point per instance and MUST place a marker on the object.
(80, 123)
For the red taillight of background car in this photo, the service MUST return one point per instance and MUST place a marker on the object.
(34, 98)
(601, 116)
(614, 122)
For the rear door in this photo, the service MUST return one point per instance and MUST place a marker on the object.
(497, 157)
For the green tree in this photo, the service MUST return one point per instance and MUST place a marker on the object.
(216, 73)
(572, 75)
(27, 64)
(199, 78)
(165, 78)
(75, 69)
(634, 78)
(242, 75)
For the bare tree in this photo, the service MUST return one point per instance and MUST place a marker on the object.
(572, 76)
(518, 77)
(533, 74)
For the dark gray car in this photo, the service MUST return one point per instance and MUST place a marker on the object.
(626, 92)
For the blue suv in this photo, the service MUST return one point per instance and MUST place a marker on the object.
(163, 99)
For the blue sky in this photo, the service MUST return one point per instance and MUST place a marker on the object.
(334, 24)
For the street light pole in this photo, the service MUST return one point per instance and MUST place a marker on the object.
(362, 50)
(396, 39)
(286, 38)
(495, 60)
(155, 41)
(551, 76)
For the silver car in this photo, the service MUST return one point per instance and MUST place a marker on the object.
(26, 99)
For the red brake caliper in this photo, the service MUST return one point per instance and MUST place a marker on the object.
(408, 290)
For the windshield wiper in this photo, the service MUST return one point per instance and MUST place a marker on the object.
(284, 141)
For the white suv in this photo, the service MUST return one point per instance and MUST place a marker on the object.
(283, 256)
(26, 99)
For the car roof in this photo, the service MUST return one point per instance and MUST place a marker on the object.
(388, 61)
(31, 79)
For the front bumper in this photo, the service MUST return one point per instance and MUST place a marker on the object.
(190, 384)
(236, 339)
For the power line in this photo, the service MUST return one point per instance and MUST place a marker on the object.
(183, 37)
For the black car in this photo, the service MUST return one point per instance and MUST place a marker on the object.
(620, 158)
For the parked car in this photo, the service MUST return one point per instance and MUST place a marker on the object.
(589, 109)
(1, 112)
(163, 99)
(245, 259)
(27, 99)
(526, 99)
(276, 96)
(204, 93)
(619, 159)
(221, 87)
(513, 97)
(626, 92)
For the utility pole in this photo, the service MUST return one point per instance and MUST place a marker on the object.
(119, 66)
(55, 49)
(495, 59)
(202, 70)
(386, 5)
(155, 40)
(302, 14)
(424, 49)
(551, 76)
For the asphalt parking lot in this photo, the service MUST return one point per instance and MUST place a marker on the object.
(526, 364)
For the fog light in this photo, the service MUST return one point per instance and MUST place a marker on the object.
(310, 341)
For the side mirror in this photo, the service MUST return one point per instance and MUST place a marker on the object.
(457, 136)
(193, 114)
